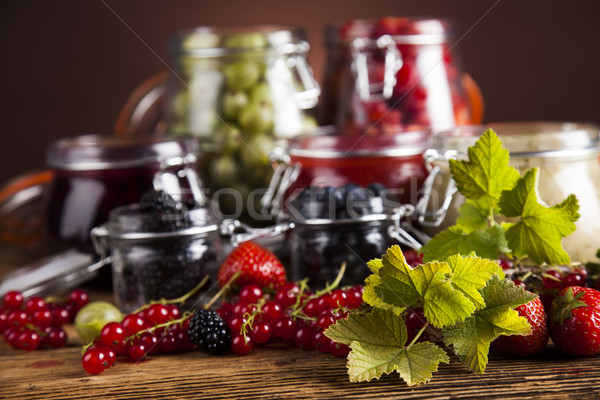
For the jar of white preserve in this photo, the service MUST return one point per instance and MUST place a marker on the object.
(567, 155)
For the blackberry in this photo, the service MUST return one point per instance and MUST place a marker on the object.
(209, 332)
(159, 201)
(164, 214)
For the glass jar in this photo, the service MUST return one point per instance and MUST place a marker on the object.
(389, 74)
(566, 153)
(346, 225)
(149, 265)
(239, 90)
(93, 174)
(331, 159)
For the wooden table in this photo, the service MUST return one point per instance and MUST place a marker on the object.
(281, 371)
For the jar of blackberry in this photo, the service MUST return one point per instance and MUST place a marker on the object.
(159, 248)
(388, 74)
(348, 225)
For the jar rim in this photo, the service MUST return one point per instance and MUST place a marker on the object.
(545, 139)
(433, 31)
(326, 143)
(102, 152)
(211, 45)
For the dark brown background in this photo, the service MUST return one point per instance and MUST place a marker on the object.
(68, 66)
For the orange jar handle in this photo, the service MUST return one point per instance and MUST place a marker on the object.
(143, 112)
(474, 98)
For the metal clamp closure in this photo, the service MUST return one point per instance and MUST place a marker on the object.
(427, 214)
(393, 62)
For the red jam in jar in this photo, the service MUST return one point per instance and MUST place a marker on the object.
(390, 74)
(93, 174)
(396, 161)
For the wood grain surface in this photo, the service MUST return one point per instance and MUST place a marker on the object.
(281, 371)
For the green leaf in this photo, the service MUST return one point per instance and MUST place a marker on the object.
(371, 297)
(377, 342)
(472, 216)
(414, 364)
(470, 274)
(488, 244)
(428, 285)
(471, 338)
(539, 232)
(487, 172)
(377, 328)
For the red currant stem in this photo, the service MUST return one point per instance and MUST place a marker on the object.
(225, 288)
(552, 277)
(159, 326)
(329, 287)
(85, 347)
(526, 275)
(177, 300)
(418, 335)
(250, 317)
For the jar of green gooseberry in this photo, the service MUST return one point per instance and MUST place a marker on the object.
(241, 91)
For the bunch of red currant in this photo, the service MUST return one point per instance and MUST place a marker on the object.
(292, 314)
(155, 328)
(29, 324)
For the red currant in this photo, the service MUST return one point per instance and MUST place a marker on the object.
(236, 322)
(150, 342)
(34, 304)
(552, 279)
(322, 342)
(41, 318)
(60, 316)
(304, 338)
(311, 308)
(132, 324)
(574, 279)
(94, 361)
(339, 298)
(324, 321)
(78, 298)
(285, 298)
(17, 318)
(241, 345)
(3, 321)
(354, 297)
(285, 328)
(13, 300)
(168, 343)
(157, 314)
(339, 349)
(271, 312)
(250, 294)
(261, 332)
(28, 340)
(174, 312)
(137, 351)
(113, 335)
(57, 338)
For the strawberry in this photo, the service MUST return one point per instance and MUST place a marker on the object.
(532, 344)
(575, 321)
(256, 264)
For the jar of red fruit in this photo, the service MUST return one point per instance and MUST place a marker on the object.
(93, 174)
(389, 74)
(331, 159)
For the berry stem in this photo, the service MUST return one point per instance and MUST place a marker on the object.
(225, 288)
(177, 300)
(418, 335)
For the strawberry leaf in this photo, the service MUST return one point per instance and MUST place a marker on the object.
(538, 233)
(470, 274)
(428, 285)
(471, 338)
(377, 341)
(489, 243)
(486, 173)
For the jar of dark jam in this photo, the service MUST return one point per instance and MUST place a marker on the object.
(93, 174)
(395, 72)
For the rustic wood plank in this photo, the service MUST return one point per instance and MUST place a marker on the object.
(281, 371)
